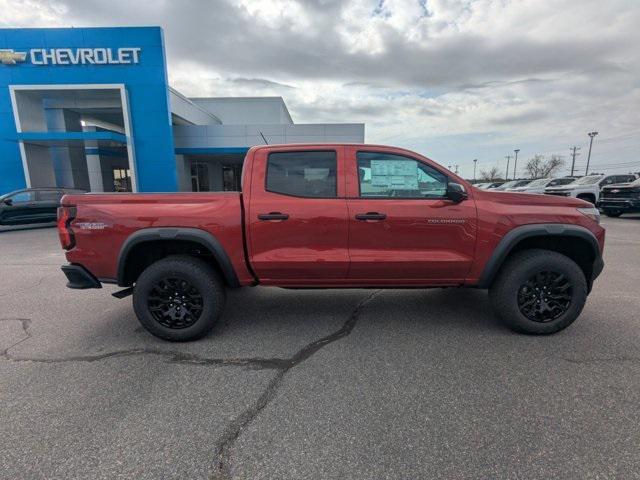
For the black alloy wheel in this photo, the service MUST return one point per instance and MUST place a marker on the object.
(175, 303)
(539, 291)
(545, 296)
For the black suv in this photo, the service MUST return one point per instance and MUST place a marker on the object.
(31, 205)
(618, 199)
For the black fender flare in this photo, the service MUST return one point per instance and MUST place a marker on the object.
(202, 237)
(513, 237)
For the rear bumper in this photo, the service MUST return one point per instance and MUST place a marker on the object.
(79, 277)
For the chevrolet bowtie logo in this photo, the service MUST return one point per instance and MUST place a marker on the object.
(11, 57)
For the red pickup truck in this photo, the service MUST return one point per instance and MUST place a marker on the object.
(334, 216)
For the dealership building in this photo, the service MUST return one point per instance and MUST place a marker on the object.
(91, 108)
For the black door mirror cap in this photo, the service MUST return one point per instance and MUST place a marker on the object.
(456, 192)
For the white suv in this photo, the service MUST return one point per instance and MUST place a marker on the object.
(588, 188)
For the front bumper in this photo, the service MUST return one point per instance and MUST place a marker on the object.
(620, 204)
(79, 277)
(598, 266)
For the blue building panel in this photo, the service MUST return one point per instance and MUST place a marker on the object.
(145, 82)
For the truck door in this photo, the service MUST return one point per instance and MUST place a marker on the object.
(297, 216)
(403, 230)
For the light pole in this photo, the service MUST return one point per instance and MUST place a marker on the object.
(508, 157)
(475, 164)
(515, 163)
(591, 135)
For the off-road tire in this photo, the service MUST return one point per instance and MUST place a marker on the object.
(513, 279)
(179, 270)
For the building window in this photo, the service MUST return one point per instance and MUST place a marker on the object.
(303, 174)
(199, 177)
(231, 176)
(121, 180)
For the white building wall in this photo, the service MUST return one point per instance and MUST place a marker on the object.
(184, 108)
(247, 110)
(220, 136)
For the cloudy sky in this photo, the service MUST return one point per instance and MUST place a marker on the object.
(455, 80)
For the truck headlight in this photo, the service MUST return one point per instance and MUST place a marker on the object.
(592, 212)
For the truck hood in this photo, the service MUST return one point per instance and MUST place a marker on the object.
(621, 186)
(515, 198)
(564, 187)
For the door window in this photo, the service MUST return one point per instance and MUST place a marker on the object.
(53, 196)
(384, 175)
(23, 197)
(303, 174)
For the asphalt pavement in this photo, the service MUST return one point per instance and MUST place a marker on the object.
(342, 384)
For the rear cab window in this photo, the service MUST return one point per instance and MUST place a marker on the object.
(308, 174)
(386, 175)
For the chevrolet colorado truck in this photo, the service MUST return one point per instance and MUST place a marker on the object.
(618, 199)
(334, 216)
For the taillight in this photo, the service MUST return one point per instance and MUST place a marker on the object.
(65, 217)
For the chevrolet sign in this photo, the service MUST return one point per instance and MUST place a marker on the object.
(11, 57)
(74, 56)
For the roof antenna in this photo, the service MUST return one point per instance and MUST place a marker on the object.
(265, 140)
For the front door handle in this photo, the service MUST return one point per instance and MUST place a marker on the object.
(273, 216)
(370, 216)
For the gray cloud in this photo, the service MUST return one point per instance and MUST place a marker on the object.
(488, 73)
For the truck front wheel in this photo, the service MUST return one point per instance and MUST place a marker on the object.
(179, 298)
(539, 292)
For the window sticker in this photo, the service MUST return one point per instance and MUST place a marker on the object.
(396, 174)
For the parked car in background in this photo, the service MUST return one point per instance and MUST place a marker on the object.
(588, 188)
(539, 185)
(512, 184)
(493, 185)
(32, 205)
(618, 199)
(481, 185)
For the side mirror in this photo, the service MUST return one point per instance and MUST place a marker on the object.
(8, 202)
(456, 192)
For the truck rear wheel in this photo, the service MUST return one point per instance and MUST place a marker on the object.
(539, 292)
(179, 298)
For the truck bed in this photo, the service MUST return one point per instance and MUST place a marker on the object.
(104, 221)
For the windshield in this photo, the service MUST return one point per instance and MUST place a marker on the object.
(510, 184)
(591, 179)
(541, 182)
(635, 183)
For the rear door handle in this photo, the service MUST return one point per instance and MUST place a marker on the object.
(370, 216)
(273, 216)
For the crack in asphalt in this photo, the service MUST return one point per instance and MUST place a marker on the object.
(25, 323)
(234, 430)
(588, 361)
(25, 289)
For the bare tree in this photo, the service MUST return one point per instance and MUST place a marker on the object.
(541, 167)
(489, 175)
